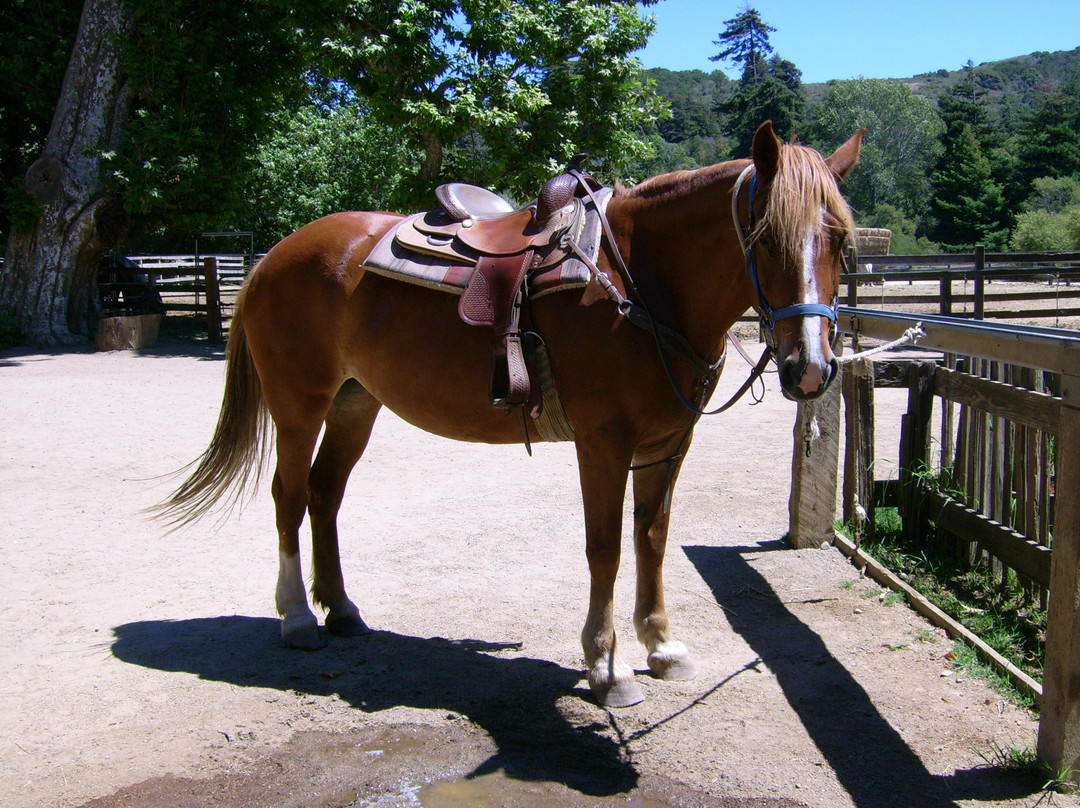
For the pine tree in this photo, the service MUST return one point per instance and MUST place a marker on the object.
(1049, 144)
(967, 204)
(745, 41)
(770, 88)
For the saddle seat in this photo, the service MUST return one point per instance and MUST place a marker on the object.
(478, 245)
(462, 201)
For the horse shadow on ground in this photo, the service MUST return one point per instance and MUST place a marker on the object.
(514, 699)
(872, 762)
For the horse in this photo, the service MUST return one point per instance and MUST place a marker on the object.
(320, 344)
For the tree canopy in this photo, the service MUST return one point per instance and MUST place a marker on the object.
(770, 88)
(200, 85)
(900, 147)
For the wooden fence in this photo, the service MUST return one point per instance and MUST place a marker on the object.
(977, 285)
(205, 284)
(1008, 410)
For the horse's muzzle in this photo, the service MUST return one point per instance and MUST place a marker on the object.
(802, 380)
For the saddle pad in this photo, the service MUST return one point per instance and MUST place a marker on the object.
(451, 273)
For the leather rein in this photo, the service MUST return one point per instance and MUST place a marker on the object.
(669, 341)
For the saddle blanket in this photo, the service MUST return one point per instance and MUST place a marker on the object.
(392, 259)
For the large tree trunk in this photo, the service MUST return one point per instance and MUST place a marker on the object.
(49, 278)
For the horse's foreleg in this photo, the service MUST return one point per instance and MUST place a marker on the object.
(668, 658)
(348, 427)
(603, 486)
(299, 628)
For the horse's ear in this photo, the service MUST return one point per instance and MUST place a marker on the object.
(844, 159)
(766, 152)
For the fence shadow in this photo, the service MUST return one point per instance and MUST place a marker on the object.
(512, 698)
(871, 760)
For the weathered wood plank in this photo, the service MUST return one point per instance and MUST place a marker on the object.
(814, 469)
(1027, 407)
(858, 393)
(1059, 723)
(1024, 555)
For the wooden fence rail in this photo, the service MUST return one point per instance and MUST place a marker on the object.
(205, 284)
(1004, 458)
(983, 277)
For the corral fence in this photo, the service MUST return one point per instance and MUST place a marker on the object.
(152, 284)
(977, 285)
(990, 438)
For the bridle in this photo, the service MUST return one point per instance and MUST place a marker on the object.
(769, 316)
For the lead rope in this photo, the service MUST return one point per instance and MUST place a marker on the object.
(812, 430)
(912, 335)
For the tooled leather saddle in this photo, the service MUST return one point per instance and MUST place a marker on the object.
(477, 244)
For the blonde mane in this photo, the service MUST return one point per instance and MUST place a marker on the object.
(803, 187)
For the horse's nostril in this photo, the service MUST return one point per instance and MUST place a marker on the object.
(787, 373)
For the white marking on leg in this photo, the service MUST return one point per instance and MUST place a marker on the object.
(291, 597)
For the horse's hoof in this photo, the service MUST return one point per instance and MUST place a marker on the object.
(302, 634)
(671, 662)
(622, 694)
(351, 625)
(615, 686)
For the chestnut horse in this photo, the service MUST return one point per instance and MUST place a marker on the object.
(318, 342)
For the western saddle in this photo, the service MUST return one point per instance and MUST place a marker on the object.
(498, 247)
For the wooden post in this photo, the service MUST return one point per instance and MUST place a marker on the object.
(915, 446)
(1059, 723)
(213, 300)
(858, 391)
(945, 285)
(980, 282)
(812, 503)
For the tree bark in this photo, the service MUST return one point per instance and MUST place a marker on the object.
(49, 278)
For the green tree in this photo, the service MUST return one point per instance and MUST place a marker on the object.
(967, 204)
(1038, 230)
(35, 39)
(769, 89)
(1049, 140)
(162, 102)
(537, 81)
(900, 148)
(1053, 194)
(320, 160)
(745, 41)
(967, 101)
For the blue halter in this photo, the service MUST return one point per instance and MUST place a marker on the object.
(769, 315)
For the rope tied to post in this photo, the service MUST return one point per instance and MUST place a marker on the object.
(812, 429)
(912, 335)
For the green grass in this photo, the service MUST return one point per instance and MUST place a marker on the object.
(998, 611)
(1024, 760)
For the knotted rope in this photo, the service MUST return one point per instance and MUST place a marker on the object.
(913, 335)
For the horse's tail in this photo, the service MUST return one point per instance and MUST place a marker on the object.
(235, 458)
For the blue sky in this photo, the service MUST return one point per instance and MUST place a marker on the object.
(869, 38)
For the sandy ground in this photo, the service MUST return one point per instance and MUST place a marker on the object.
(145, 669)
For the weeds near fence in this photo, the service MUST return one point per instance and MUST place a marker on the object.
(996, 610)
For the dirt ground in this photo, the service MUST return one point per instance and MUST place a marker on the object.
(145, 669)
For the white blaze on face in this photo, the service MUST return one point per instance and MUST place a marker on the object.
(810, 336)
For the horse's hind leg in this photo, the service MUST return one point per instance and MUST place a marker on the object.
(295, 445)
(668, 658)
(348, 427)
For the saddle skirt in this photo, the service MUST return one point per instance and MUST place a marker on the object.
(434, 250)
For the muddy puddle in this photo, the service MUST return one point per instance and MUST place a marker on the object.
(419, 766)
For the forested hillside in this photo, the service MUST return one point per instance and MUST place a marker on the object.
(985, 154)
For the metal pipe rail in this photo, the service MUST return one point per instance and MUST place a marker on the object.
(1056, 350)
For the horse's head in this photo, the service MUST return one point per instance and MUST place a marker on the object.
(799, 223)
